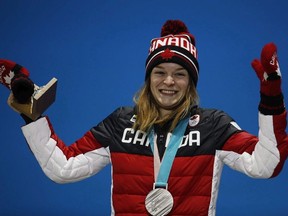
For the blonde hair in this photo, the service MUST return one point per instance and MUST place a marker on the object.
(148, 112)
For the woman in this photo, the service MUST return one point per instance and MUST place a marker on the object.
(166, 152)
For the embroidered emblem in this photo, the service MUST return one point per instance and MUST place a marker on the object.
(194, 120)
(167, 54)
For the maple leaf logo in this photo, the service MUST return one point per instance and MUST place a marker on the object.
(8, 78)
(167, 54)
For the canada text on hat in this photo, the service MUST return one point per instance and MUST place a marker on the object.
(182, 41)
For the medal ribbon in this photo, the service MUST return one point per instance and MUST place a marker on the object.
(162, 169)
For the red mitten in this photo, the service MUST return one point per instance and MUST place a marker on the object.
(269, 74)
(16, 78)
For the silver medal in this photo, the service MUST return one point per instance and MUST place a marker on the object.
(159, 202)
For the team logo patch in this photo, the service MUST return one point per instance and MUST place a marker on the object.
(194, 120)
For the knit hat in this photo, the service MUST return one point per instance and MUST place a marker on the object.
(176, 45)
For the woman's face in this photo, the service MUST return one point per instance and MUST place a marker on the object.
(168, 84)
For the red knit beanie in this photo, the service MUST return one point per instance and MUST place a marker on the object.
(177, 45)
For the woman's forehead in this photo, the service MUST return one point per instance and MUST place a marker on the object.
(170, 66)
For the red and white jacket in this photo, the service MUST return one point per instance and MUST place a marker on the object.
(212, 139)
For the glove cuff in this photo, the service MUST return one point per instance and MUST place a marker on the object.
(271, 105)
(271, 86)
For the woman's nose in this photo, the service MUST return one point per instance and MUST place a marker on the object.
(169, 80)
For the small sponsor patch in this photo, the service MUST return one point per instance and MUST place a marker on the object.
(194, 120)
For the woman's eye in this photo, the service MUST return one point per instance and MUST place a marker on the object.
(180, 74)
(159, 73)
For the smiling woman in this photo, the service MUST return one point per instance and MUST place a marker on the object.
(172, 91)
(169, 83)
(166, 152)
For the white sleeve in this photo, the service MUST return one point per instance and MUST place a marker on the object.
(54, 162)
(261, 161)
